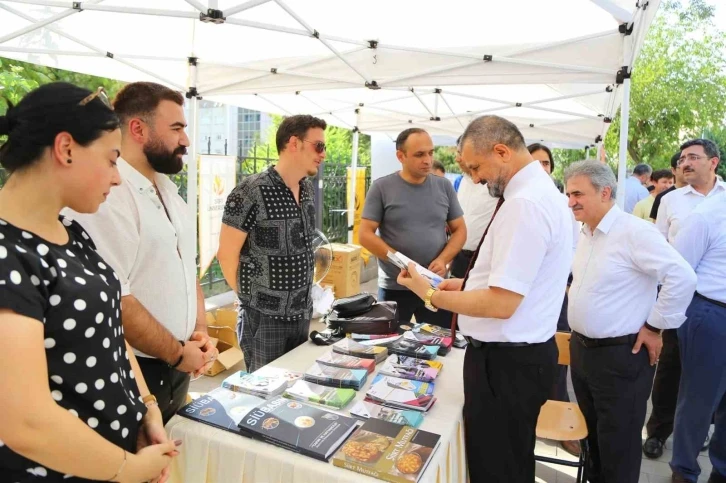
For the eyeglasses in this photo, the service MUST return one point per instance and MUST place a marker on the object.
(101, 94)
(319, 146)
(689, 158)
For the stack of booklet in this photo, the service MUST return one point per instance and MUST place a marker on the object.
(401, 393)
(412, 348)
(317, 394)
(405, 367)
(388, 451)
(221, 408)
(444, 343)
(352, 348)
(266, 382)
(366, 410)
(460, 342)
(336, 376)
(349, 362)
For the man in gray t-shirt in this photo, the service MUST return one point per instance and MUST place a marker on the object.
(411, 210)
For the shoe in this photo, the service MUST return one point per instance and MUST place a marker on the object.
(653, 448)
(706, 443)
(572, 447)
(678, 478)
(716, 477)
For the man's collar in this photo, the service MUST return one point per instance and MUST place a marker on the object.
(272, 172)
(519, 181)
(607, 221)
(140, 182)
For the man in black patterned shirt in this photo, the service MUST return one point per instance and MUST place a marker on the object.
(265, 245)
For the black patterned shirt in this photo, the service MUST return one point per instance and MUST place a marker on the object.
(275, 273)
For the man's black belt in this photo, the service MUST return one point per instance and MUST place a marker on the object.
(715, 302)
(468, 253)
(606, 341)
(476, 344)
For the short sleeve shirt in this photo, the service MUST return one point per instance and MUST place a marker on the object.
(275, 272)
(76, 296)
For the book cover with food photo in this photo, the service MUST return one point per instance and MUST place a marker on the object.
(221, 408)
(298, 427)
(388, 451)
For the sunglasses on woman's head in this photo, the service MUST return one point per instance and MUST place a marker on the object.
(319, 146)
(101, 94)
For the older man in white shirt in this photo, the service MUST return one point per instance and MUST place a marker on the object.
(509, 302)
(144, 232)
(635, 189)
(702, 242)
(697, 163)
(615, 319)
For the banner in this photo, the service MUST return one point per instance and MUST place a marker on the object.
(360, 198)
(217, 178)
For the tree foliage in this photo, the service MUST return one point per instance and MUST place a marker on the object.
(18, 78)
(678, 89)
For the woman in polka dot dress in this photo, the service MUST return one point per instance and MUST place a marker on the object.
(70, 390)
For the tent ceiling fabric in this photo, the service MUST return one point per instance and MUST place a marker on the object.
(549, 66)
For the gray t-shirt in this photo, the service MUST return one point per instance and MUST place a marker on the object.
(412, 219)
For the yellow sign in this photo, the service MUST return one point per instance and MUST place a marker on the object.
(360, 197)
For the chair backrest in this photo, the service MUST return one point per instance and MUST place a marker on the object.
(563, 345)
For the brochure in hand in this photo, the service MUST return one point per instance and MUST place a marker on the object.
(336, 376)
(298, 427)
(221, 408)
(349, 362)
(388, 451)
(317, 394)
(444, 343)
(350, 347)
(412, 348)
(401, 393)
(406, 367)
(401, 261)
(367, 410)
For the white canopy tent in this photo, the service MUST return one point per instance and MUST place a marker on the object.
(559, 69)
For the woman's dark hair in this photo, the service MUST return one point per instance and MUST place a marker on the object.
(536, 147)
(42, 114)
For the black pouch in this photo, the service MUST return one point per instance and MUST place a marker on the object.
(354, 305)
(382, 318)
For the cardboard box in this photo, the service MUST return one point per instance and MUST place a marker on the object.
(344, 273)
(223, 326)
(228, 357)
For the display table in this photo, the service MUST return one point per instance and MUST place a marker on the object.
(211, 455)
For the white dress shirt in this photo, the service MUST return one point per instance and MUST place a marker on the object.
(528, 250)
(702, 242)
(616, 273)
(677, 205)
(154, 257)
(478, 206)
(634, 192)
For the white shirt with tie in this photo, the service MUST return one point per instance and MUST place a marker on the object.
(616, 272)
(677, 205)
(702, 242)
(153, 254)
(528, 250)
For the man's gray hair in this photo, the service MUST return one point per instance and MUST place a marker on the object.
(642, 169)
(599, 174)
(486, 131)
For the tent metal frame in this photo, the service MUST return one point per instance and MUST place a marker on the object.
(631, 27)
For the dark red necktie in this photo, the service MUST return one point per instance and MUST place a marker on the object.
(455, 317)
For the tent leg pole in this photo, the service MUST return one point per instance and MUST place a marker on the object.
(353, 178)
(623, 156)
(192, 167)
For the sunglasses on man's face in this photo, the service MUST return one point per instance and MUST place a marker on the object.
(319, 146)
(101, 94)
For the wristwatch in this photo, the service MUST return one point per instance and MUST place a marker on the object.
(427, 300)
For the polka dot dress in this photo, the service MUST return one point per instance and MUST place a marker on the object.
(77, 297)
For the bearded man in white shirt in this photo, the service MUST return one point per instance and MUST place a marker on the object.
(615, 319)
(145, 232)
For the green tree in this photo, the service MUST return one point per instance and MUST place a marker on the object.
(678, 87)
(718, 135)
(18, 78)
(446, 155)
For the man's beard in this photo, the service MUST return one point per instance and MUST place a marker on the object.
(496, 187)
(162, 160)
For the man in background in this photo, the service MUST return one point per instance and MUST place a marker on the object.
(662, 180)
(439, 169)
(635, 186)
(679, 183)
(265, 245)
(410, 209)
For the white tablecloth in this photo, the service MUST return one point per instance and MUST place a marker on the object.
(211, 455)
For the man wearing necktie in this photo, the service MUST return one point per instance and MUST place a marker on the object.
(508, 303)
